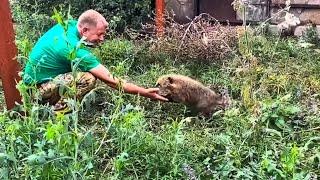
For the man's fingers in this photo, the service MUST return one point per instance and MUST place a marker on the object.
(161, 98)
(155, 95)
(152, 90)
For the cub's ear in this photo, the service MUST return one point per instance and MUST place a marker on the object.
(158, 85)
(170, 80)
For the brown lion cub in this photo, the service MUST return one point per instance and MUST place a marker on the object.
(183, 89)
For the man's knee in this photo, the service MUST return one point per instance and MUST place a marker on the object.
(49, 93)
(87, 80)
(90, 78)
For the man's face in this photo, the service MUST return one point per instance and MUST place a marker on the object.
(95, 35)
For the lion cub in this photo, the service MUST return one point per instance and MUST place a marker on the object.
(182, 89)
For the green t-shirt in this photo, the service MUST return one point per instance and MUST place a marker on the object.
(51, 55)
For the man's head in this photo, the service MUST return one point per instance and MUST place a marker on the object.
(93, 26)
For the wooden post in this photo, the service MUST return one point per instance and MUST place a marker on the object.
(160, 16)
(9, 66)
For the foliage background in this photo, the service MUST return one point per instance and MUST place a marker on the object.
(271, 130)
(119, 13)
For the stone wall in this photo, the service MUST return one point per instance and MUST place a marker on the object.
(184, 10)
(256, 11)
(308, 12)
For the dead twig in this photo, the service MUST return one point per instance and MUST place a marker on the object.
(202, 39)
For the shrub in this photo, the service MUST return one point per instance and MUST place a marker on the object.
(202, 40)
(119, 13)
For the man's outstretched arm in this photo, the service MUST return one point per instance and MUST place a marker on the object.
(102, 73)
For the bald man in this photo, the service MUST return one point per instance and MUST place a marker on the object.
(58, 50)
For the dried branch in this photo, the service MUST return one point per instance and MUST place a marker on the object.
(203, 39)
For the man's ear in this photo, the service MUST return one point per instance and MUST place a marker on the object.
(84, 30)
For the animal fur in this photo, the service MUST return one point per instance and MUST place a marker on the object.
(183, 89)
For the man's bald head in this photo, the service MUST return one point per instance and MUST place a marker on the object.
(91, 18)
(93, 26)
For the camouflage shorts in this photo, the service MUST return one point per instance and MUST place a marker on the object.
(60, 87)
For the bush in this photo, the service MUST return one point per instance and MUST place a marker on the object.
(117, 55)
(122, 13)
(119, 13)
(311, 36)
(202, 40)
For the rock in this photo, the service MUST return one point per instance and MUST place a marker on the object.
(306, 16)
(273, 29)
(296, 2)
(310, 16)
(300, 30)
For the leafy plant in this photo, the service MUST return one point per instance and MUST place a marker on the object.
(277, 113)
(311, 36)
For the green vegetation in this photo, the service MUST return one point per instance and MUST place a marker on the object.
(270, 131)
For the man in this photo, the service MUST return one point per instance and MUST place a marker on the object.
(50, 61)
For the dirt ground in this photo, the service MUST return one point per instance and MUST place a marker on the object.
(2, 100)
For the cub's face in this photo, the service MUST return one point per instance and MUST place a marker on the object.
(221, 102)
(165, 87)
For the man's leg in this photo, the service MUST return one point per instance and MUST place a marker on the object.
(54, 91)
(85, 83)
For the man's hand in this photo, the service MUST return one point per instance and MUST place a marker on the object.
(152, 93)
(103, 74)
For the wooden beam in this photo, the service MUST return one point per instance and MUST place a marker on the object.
(160, 5)
(9, 66)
